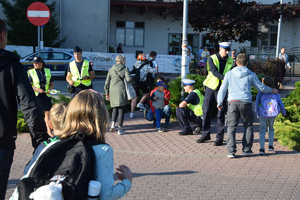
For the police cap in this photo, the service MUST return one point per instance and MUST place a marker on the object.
(188, 82)
(37, 59)
(77, 49)
(225, 45)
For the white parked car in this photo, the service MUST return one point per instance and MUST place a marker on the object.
(57, 61)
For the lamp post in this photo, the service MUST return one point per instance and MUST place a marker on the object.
(184, 56)
(278, 34)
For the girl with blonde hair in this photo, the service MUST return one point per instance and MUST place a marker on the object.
(87, 113)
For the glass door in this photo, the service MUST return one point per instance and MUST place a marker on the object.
(174, 44)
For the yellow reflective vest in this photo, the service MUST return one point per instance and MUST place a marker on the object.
(84, 72)
(197, 109)
(211, 81)
(36, 80)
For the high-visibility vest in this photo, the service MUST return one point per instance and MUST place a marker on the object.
(36, 80)
(197, 109)
(211, 81)
(84, 72)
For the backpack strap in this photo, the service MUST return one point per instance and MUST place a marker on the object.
(119, 75)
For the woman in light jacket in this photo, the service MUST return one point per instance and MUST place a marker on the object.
(115, 91)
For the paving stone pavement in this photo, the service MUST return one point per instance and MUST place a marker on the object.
(167, 166)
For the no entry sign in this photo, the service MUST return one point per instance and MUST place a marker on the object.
(38, 13)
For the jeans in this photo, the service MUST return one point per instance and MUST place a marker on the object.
(6, 158)
(237, 109)
(264, 122)
(158, 114)
(167, 111)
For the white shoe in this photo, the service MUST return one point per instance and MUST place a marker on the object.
(141, 106)
(121, 132)
(113, 127)
(132, 115)
(231, 156)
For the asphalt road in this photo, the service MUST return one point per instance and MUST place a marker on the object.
(61, 84)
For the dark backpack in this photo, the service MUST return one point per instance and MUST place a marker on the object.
(136, 75)
(70, 160)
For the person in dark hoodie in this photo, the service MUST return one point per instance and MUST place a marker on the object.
(239, 82)
(15, 89)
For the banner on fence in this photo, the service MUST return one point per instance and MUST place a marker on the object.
(104, 61)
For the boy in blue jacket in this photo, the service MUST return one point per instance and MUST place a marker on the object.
(239, 81)
(267, 107)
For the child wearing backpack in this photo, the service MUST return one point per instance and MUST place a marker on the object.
(55, 115)
(267, 107)
(85, 123)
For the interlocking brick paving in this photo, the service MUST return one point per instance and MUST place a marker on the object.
(168, 166)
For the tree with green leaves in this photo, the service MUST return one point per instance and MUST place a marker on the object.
(22, 32)
(230, 20)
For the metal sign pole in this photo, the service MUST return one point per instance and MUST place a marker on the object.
(39, 39)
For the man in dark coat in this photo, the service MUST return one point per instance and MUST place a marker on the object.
(15, 89)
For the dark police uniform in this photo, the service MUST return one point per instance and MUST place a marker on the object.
(187, 118)
(217, 68)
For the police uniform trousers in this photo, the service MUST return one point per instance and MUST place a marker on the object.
(188, 121)
(209, 104)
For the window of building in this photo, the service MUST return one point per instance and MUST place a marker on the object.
(269, 37)
(130, 33)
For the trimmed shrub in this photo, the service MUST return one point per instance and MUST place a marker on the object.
(274, 68)
(287, 129)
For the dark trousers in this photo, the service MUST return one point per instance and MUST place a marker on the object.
(79, 88)
(187, 119)
(118, 111)
(209, 103)
(237, 109)
(6, 158)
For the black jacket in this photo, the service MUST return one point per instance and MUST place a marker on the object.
(15, 88)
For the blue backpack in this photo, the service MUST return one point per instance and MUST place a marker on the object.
(268, 106)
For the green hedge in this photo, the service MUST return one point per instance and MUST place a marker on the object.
(287, 129)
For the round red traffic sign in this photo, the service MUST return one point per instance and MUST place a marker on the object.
(38, 13)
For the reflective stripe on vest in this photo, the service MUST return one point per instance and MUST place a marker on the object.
(84, 72)
(211, 81)
(36, 80)
(197, 109)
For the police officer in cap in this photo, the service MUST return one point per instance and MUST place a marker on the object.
(80, 72)
(189, 111)
(218, 65)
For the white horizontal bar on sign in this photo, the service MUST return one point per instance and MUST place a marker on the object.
(36, 13)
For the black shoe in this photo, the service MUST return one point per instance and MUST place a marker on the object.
(271, 148)
(202, 140)
(197, 129)
(185, 133)
(262, 152)
(249, 152)
(218, 143)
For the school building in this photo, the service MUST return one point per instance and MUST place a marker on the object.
(96, 25)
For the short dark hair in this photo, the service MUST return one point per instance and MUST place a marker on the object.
(242, 59)
(268, 81)
(152, 54)
(3, 26)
